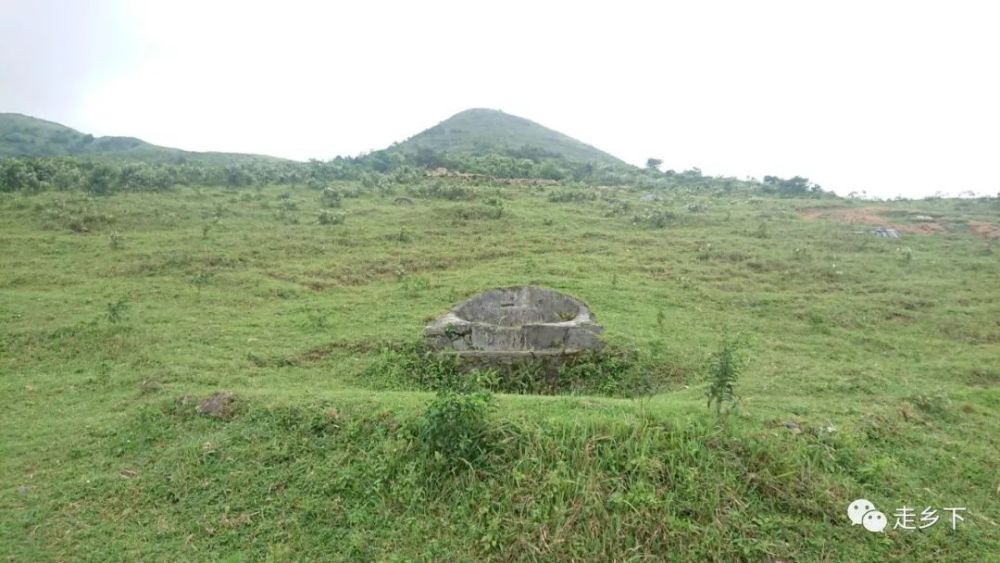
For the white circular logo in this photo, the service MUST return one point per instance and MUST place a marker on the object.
(857, 509)
(874, 521)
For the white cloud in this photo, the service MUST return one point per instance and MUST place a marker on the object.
(890, 97)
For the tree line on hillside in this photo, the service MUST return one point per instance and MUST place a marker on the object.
(532, 162)
(101, 177)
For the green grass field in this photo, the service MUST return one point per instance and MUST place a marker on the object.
(872, 371)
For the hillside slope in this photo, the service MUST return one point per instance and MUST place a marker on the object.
(486, 131)
(26, 136)
(869, 370)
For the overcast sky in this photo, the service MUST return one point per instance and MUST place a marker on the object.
(895, 98)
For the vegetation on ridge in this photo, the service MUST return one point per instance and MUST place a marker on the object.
(26, 137)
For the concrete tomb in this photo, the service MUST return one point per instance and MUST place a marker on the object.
(502, 326)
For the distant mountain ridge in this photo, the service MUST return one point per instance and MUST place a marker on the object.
(480, 131)
(474, 133)
(26, 136)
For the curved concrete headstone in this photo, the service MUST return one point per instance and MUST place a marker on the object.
(512, 323)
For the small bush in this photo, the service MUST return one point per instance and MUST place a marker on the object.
(414, 285)
(116, 240)
(330, 198)
(723, 370)
(934, 403)
(328, 218)
(476, 212)
(442, 190)
(116, 310)
(455, 428)
(705, 251)
(200, 279)
(565, 196)
(655, 219)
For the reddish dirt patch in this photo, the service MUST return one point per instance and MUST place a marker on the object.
(987, 231)
(867, 216)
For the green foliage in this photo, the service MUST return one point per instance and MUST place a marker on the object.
(656, 219)
(489, 132)
(564, 196)
(794, 187)
(613, 372)
(330, 197)
(414, 285)
(761, 231)
(931, 402)
(78, 215)
(723, 371)
(116, 240)
(443, 189)
(484, 143)
(551, 171)
(328, 218)
(476, 212)
(29, 137)
(200, 279)
(116, 310)
(455, 429)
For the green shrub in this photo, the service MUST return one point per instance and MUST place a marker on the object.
(655, 219)
(330, 198)
(455, 428)
(723, 371)
(443, 190)
(328, 218)
(476, 212)
(116, 310)
(200, 279)
(116, 240)
(565, 196)
(413, 285)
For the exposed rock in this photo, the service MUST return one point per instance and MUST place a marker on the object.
(886, 232)
(217, 405)
(793, 427)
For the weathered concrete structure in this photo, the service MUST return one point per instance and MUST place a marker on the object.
(503, 326)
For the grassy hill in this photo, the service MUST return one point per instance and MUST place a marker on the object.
(25, 136)
(492, 132)
(870, 370)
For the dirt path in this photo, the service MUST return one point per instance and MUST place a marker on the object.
(988, 231)
(868, 216)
